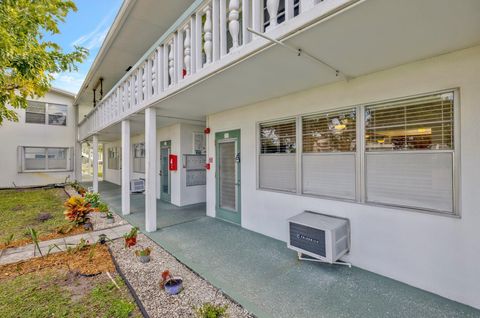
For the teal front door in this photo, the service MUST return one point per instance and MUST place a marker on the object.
(228, 161)
(165, 191)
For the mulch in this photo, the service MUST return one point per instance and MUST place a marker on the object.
(92, 260)
(44, 237)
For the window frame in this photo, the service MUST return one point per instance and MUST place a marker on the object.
(69, 159)
(360, 155)
(135, 157)
(47, 114)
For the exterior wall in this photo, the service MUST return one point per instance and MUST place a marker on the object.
(181, 136)
(432, 252)
(14, 134)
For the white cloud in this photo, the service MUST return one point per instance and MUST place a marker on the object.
(94, 39)
(69, 81)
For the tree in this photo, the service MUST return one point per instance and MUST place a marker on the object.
(27, 60)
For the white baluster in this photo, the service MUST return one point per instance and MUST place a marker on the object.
(171, 62)
(234, 24)
(144, 81)
(153, 66)
(187, 59)
(272, 7)
(207, 28)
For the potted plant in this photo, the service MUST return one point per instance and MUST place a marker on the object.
(109, 216)
(143, 254)
(131, 237)
(172, 285)
(102, 238)
(77, 210)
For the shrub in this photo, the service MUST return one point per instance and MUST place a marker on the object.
(93, 198)
(131, 237)
(209, 310)
(143, 252)
(102, 207)
(77, 210)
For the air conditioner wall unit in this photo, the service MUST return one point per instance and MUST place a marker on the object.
(323, 237)
(137, 185)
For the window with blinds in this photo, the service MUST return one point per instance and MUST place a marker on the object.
(139, 158)
(113, 158)
(35, 113)
(46, 113)
(277, 159)
(423, 123)
(42, 158)
(328, 157)
(409, 148)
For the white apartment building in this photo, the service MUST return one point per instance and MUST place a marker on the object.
(39, 149)
(362, 109)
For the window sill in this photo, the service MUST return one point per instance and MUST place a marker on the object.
(47, 171)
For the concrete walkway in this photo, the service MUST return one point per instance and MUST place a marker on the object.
(265, 277)
(12, 255)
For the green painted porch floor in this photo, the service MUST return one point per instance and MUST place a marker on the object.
(265, 277)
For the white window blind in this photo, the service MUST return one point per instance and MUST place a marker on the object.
(419, 180)
(139, 158)
(113, 158)
(35, 112)
(277, 162)
(328, 158)
(41, 158)
(410, 152)
(423, 123)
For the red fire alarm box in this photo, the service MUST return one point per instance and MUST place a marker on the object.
(172, 162)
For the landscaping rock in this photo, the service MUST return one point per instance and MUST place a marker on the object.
(145, 279)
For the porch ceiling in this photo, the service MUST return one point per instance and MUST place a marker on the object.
(138, 25)
(368, 37)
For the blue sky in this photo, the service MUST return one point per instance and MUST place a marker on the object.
(87, 27)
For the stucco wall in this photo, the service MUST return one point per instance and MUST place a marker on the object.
(13, 134)
(436, 253)
(181, 137)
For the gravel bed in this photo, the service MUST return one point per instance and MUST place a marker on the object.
(100, 223)
(145, 279)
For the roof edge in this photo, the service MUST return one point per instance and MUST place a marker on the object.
(117, 24)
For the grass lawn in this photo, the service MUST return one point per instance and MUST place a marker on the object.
(19, 209)
(60, 293)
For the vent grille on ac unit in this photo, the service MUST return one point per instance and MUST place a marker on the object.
(324, 237)
(137, 185)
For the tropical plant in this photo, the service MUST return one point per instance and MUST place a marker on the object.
(93, 198)
(35, 240)
(77, 210)
(143, 252)
(131, 237)
(209, 310)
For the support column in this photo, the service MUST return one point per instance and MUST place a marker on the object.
(150, 169)
(125, 167)
(95, 163)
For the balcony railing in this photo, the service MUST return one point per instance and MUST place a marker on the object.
(213, 30)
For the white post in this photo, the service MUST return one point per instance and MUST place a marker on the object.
(95, 163)
(246, 21)
(150, 169)
(223, 28)
(257, 16)
(125, 167)
(215, 30)
(289, 8)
